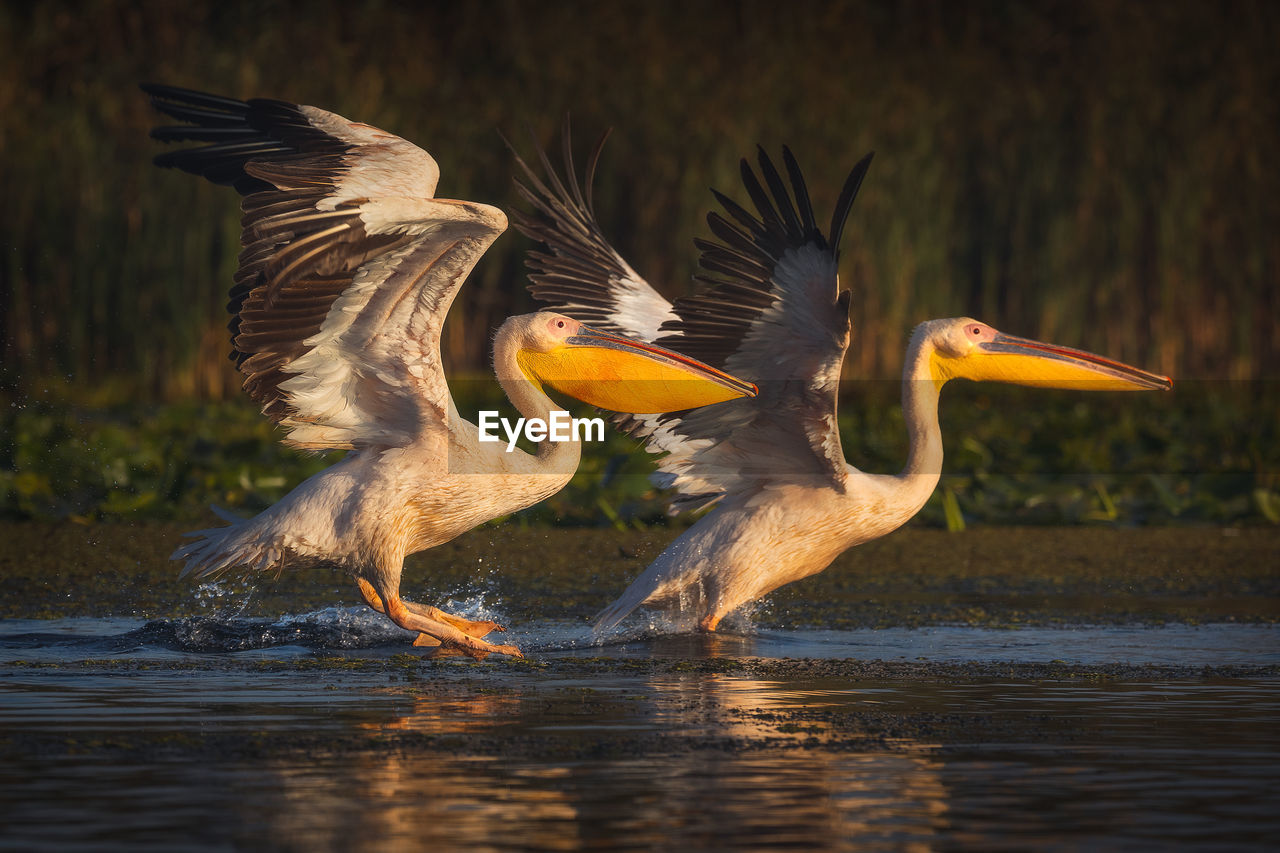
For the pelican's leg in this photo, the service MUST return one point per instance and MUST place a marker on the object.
(711, 603)
(716, 609)
(371, 598)
(448, 635)
(432, 630)
(710, 621)
(466, 626)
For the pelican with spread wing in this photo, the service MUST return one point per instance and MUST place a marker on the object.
(349, 265)
(787, 503)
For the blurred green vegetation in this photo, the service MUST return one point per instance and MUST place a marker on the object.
(1209, 453)
(1093, 173)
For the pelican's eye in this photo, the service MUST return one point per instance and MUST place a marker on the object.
(976, 331)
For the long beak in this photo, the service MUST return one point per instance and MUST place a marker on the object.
(624, 375)
(1026, 362)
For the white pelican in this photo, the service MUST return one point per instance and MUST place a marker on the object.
(349, 265)
(788, 502)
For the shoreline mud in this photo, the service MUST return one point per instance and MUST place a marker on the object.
(989, 576)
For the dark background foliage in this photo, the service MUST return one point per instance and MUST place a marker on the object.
(1095, 173)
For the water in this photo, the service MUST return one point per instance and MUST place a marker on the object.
(358, 628)
(317, 732)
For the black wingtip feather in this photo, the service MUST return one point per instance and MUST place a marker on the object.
(845, 202)
(592, 163)
(801, 190)
(781, 198)
(759, 198)
(193, 97)
(740, 214)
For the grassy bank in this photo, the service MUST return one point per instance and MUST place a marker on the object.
(1207, 453)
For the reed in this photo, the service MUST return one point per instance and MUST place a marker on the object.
(1094, 173)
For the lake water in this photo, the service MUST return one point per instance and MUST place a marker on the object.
(318, 732)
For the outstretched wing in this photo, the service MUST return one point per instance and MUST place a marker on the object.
(580, 274)
(773, 313)
(348, 265)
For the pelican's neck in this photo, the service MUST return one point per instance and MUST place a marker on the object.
(560, 457)
(920, 411)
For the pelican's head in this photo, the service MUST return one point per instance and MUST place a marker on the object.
(967, 349)
(610, 371)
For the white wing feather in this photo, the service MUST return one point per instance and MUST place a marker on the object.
(349, 265)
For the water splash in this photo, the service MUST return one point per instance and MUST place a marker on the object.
(474, 607)
(227, 597)
(648, 625)
(679, 620)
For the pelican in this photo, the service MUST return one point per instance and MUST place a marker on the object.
(786, 501)
(349, 265)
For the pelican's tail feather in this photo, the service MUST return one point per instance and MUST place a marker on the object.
(655, 589)
(619, 610)
(217, 549)
(680, 582)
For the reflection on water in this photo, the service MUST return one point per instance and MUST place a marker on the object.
(391, 801)
(276, 748)
(725, 800)
(759, 776)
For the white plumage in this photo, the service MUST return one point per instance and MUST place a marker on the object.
(349, 267)
(786, 501)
